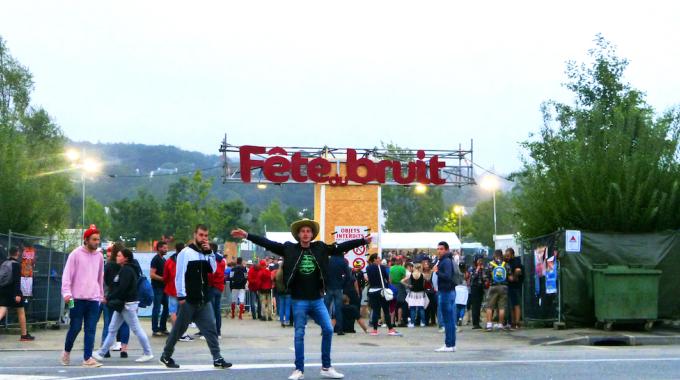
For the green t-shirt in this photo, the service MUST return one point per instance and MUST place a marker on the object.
(397, 273)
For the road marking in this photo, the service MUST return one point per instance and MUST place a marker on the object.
(14, 377)
(158, 369)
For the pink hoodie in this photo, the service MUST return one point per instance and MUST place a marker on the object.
(83, 277)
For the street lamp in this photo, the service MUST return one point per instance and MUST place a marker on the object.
(459, 210)
(262, 186)
(490, 183)
(420, 189)
(86, 166)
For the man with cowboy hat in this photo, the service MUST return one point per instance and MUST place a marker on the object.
(305, 272)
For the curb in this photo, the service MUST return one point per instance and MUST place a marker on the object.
(621, 340)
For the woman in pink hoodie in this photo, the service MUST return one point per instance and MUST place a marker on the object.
(83, 283)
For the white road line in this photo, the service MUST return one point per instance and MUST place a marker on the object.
(28, 377)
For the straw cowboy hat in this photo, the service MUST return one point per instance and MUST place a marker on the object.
(295, 227)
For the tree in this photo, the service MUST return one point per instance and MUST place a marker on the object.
(604, 163)
(186, 205)
(95, 213)
(225, 216)
(272, 218)
(481, 220)
(34, 184)
(137, 219)
(293, 214)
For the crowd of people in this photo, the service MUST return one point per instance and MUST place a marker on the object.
(297, 281)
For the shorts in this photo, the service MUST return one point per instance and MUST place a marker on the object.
(10, 302)
(498, 297)
(515, 296)
(238, 296)
(173, 305)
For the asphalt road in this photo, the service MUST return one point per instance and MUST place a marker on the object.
(573, 362)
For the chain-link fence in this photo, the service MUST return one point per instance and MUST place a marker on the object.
(42, 262)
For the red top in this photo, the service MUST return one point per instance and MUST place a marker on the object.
(216, 279)
(169, 272)
(253, 279)
(265, 279)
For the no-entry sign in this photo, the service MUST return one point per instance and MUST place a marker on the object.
(357, 256)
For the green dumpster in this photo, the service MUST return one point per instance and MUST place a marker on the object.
(625, 294)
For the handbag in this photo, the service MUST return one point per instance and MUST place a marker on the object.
(385, 293)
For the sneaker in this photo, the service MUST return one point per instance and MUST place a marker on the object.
(411, 325)
(123, 354)
(442, 330)
(165, 332)
(489, 327)
(394, 332)
(168, 362)
(91, 363)
(108, 354)
(144, 358)
(201, 337)
(193, 325)
(445, 349)
(476, 327)
(331, 373)
(296, 375)
(460, 322)
(157, 333)
(116, 346)
(422, 325)
(65, 358)
(375, 333)
(96, 355)
(506, 327)
(186, 338)
(220, 363)
(27, 338)
(497, 326)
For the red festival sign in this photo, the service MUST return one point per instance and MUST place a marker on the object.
(279, 167)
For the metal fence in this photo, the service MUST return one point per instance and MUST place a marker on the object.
(45, 305)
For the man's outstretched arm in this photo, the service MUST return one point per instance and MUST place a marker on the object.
(272, 246)
(340, 249)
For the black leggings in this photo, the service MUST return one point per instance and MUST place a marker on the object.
(377, 303)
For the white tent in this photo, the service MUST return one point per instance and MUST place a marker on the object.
(412, 240)
(394, 240)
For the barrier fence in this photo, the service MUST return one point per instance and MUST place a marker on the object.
(43, 260)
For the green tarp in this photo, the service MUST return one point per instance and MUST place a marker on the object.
(658, 251)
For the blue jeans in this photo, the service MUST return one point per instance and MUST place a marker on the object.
(440, 319)
(159, 299)
(460, 311)
(284, 307)
(216, 301)
(417, 310)
(317, 310)
(123, 332)
(447, 304)
(87, 313)
(334, 297)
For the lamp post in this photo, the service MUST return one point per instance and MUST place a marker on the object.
(86, 166)
(490, 183)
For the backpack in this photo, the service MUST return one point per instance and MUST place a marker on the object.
(498, 273)
(6, 273)
(238, 278)
(144, 291)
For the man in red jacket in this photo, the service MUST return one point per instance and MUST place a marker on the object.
(216, 282)
(265, 290)
(169, 272)
(254, 287)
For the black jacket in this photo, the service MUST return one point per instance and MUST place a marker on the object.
(124, 286)
(292, 252)
(111, 269)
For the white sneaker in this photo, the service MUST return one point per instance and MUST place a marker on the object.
(445, 349)
(411, 325)
(193, 325)
(442, 330)
(202, 337)
(296, 375)
(144, 358)
(116, 347)
(331, 373)
(497, 326)
(186, 338)
(97, 357)
(422, 325)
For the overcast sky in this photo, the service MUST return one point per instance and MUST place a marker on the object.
(347, 74)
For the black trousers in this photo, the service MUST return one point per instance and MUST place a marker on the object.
(377, 303)
(431, 311)
(476, 297)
